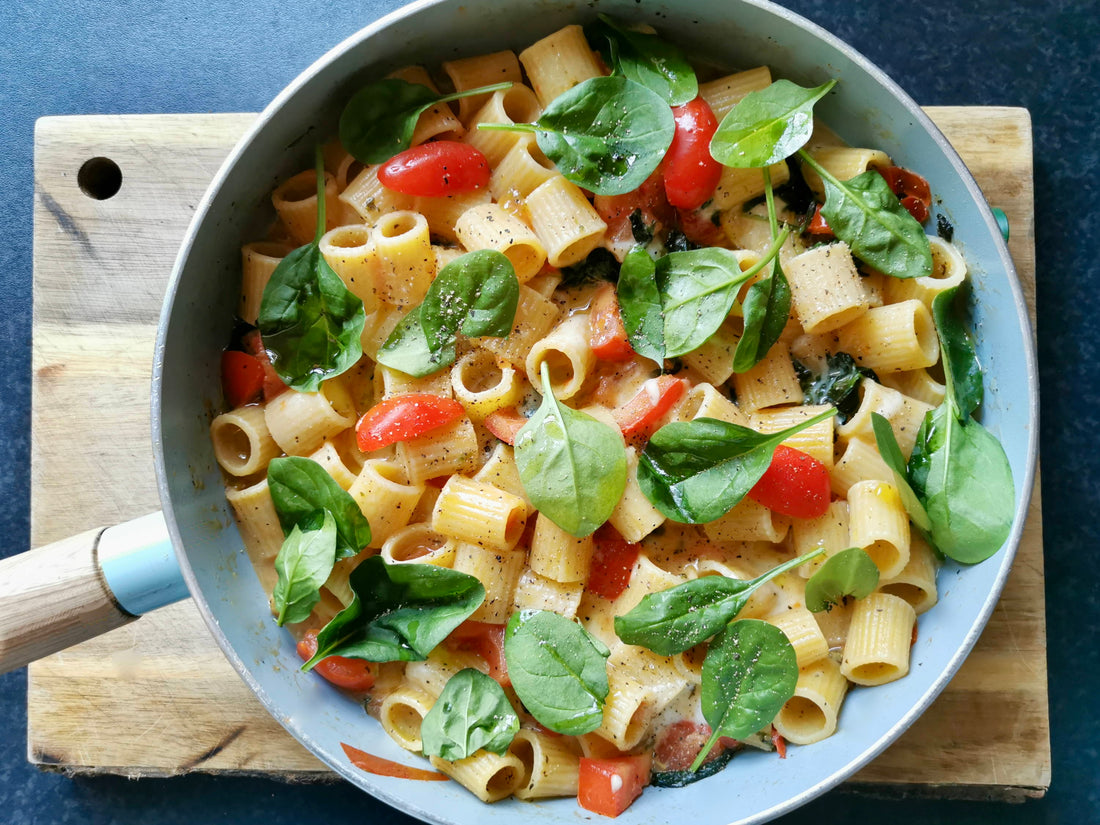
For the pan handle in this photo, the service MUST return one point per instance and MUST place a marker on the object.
(80, 587)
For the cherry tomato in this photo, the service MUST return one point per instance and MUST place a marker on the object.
(504, 424)
(638, 417)
(648, 201)
(779, 742)
(691, 174)
(612, 563)
(795, 484)
(606, 333)
(699, 228)
(818, 225)
(608, 786)
(403, 417)
(913, 190)
(242, 377)
(350, 674)
(487, 641)
(436, 169)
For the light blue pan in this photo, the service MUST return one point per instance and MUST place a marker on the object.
(867, 109)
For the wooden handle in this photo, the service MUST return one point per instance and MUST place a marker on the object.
(52, 598)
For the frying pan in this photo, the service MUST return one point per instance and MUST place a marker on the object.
(58, 595)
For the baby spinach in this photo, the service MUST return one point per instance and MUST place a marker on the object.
(558, 670)
(303, 565)
(767, 126)
(607, 134)
(399, 612)
(697, 471)
(301, 489)
(573, 467)
(850, 572)
(866, 214)
(891, 453)
(640, 305)
(646, 59)
(310, 323)
(471, 713)
(837, 384)
(600, 265)
(671, 621)
(379, 120)
(749, 673)
(961, 369)
(680, 779)
(475, 294)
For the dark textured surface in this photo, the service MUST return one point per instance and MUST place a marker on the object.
(119, 56)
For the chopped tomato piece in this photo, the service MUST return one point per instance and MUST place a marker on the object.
(917, 208)
(795, 484)
(638, 417)
(242, 377)
(606, 332)
(818, 225)
(779, 742)
(504, 424)
(487, 641)
(679, 744)
(912, 190)
(404, 417)
(436, 169)
(273, 384)
(699, 227)
(690, 173)
(608, 786)
(381, 766)
(648, 200)
(612, 563)
(350, 674)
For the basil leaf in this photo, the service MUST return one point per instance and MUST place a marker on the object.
(378, 121)
(749, 673)
(697, 471)
(961, 369)
(475, 294)
(573, 467)
(304, 563)
(891, 453)
(646, 59)
(864, 213)
(850, 572)
(838, 384)
(671, 621)
(767, 126)
(558, 670)
(471, 713)
(399, 612)
(766, 309)
(640, 305)
(300, 487)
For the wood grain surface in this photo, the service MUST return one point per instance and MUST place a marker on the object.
(156, 697)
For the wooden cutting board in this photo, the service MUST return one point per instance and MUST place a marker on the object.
(156, 697)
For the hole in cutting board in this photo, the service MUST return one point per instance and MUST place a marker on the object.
(99, 178)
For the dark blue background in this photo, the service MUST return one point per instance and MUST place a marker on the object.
(121, 56)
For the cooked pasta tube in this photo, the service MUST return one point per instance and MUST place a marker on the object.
(801, 628)
(488, 776)
(499, 571)
(634, 516)
(916, 583)
(437, 121)
(811, 714)
(948, 270)
(418, 543)
(351, 254)
(517, 104)
(704, 401)
(904, 414)
(500, 471)
(892, 338)
(402, 713)
(816, 440)
(452, 448)
(478, 513)
(522, 170)
(772, 382)
(406, 261)
(535, 315)
(829, 530)
(558, 555)
(879, 640)
(242, 443)
(300, 422)
(551, 765)
(366, 195)
(566, 223)
(916, 384)
(559, 62)
(329, 458)
(567, 352)
(748, 521)
(535, 592)
(489, 226)
(259, 527)
(295, 201)
(878, 523)
(860, 461)
(387, 499)
(843, 163)
(723, 93)
(258, 260)
(826, 289)
(484, 383)
(736, 186)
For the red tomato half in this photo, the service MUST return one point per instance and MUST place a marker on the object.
(795, 484)
(608, 786)
(404, 417)
(639, 416)
(436, 169)
(612, 563)
(505, 423)
(912, 190)
(350, 674)
(487, 641)
(606, 332)
(691, 174)
(242, 377)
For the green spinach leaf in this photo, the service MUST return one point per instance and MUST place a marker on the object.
(640, 305)
(471, 713)
(399, 612)
(304, 563)
(891, 453)
(850, 572)
(558, 670)
(838, 384)
(671, 621)
(767, 126)
(680, 779)
(697, 471)
(961, 368)
(600, 265)
(301, 488)
(646, 59)
(573, 467)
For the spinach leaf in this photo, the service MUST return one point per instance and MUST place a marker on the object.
(304, 563)
(558, 670)
(310, 323)
(475, 294)
(767, 126)
(379, 120)
(573, 467)
(671, 621)
(471, 713)
(837, 385)
(640, 305)
(399, 612)
(891, 453)
(850, 572)
(749, 673)
(864, 213)
(607, 134)
(697, 471)
(301, 488)
(679, 779)
(961, 369)
(600, 265)
(646, 59)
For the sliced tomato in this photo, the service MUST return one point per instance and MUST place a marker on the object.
(350, 674)
(242, 377)
(639, 416)
(606, 333)
(699, 228)
(404, 417)
(779, 742)
(912, 190)
(504, 424)
(679, 744)
(916, 207)
(487, 641)
(273, 384)
(608, 786)
(612, 563)
(818, 225)
(648, 200)
(795, 484)
(436, 169)
(690, 173)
